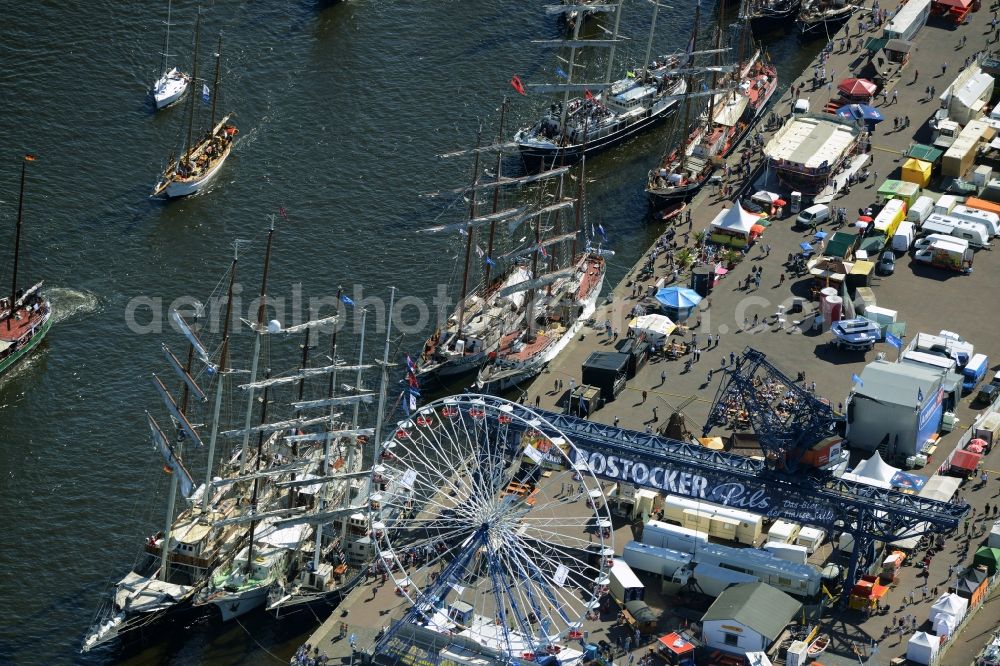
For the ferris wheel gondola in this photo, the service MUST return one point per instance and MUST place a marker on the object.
(488, 527)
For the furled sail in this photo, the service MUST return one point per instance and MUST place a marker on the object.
(544, 243)
(539, 282)
(482, 219)
(282, 425)
(168, 400)
(551, 208)
(191, 336)
(315, 323)
(568, 9)
(303, 374)
(321, 517)
(331, 402)
(26, 295)
(504, 182)
(482, 149)
(333, 434)
(183, 374)
(173, 462)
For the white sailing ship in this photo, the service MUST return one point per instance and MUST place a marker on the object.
(203, 158)
(173, 83)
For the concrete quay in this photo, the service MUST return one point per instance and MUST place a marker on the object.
(926, 299)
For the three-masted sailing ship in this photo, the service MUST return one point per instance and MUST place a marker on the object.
(202, 157)
(239, 531)
(737, 99)
(560, 301)
(461, 344)
(25, 315)
(173, 83)
(609, 112)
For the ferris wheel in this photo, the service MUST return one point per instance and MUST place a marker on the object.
(488, 527)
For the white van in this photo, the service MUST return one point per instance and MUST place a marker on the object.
(813, 216)
(990, 220)
(920, 209)
(945, 203)
(903, 238)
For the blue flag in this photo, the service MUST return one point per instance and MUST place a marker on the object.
(893, 340)
(206, 94)
(346, 299)
(490, 261)
(857, 380)
(600, 230)
(560, 72)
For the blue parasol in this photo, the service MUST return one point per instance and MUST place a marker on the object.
(678, 298)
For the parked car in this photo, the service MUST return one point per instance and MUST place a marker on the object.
(887, 263)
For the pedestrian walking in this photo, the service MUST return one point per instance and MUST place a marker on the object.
(644, 394)
(916, 73)
(663, 377)
(781, 280)
(895, 95)
(655, 416)
(709, 380)
(944, 68)
(617, 419)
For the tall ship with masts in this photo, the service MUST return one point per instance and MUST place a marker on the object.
(461, 344)
(561, 299)
(231, 542)
(825, 15)
(203, 156)
(738, 95)
(610, 111)
(25, 315)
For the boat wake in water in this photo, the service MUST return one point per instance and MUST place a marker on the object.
(67, 303)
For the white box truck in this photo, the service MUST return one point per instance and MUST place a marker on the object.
(624, 584)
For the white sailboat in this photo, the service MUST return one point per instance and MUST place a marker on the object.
(201, 160)
(173, 83)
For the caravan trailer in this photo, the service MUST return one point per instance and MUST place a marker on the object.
(803, 580)
(788, 551)
(653, 559)
(988, 219)
(783, 531)
(665, 535)
(723, 522)
(712, 580)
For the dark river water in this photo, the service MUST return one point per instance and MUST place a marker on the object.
(342, 109)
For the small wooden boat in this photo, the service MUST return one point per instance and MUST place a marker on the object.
(819, 645)
(673, 211)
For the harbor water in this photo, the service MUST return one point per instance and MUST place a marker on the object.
(342, 110)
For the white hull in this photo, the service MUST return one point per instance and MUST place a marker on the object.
(170, 87)
(190, 186)
(534, 366)
(232, 606)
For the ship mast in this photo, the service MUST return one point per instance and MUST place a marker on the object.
(687, 89)
(172, 496)
(215, 88)
(221, 372)
(166, 42)
(715, 73)
(496, 197)
(652, 30)
(17, 242)
(380, 417)
(256, 482)
(468, 241)
(352, 447)
(258, 331)
(194, 79)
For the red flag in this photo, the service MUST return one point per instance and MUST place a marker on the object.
(518, 84)
(283, 214)
(588, 95)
